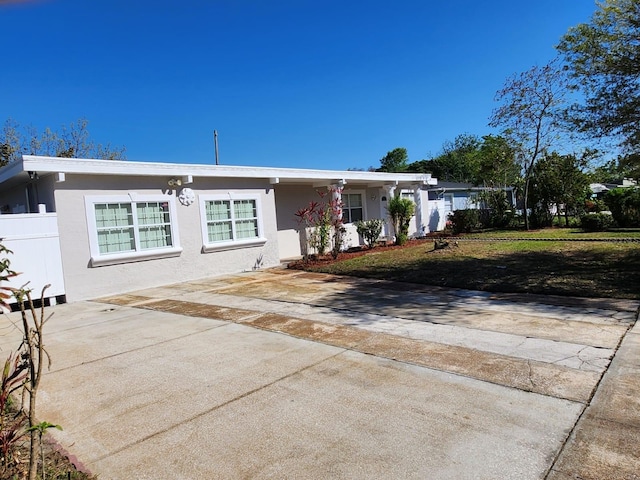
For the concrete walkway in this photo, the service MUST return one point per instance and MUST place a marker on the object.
(287, 374)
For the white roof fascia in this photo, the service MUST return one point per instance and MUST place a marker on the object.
(119, 167)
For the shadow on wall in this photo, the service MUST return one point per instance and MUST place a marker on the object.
(434, 220)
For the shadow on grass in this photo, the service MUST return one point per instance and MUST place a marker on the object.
(584, 273)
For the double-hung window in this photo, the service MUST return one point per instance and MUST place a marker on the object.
(352, 207)
(230, 221)
(131, 228)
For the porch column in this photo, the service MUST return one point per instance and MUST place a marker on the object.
(390, 190)
(336, 199)
(420, 226)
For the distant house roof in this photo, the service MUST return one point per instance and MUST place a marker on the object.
(17, 172)
(466, 187)
(603, 187)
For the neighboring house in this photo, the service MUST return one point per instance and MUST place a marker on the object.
(122, 226)
(600, 189)
(447, 197)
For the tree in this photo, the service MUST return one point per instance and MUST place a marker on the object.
(497, 164)
(530, 115)
(624, 204)
(603, 58)
(558, 181)
(487, 161)
(71, 141)
(458, 161)
(613, 171)
(394, 161)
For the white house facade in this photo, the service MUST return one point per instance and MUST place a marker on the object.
(124, 225)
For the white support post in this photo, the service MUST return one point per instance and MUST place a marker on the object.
(390, 190)
(336, 198)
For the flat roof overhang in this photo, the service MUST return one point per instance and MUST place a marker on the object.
(18, 172)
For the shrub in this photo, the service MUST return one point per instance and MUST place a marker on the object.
(624, 204)
(596, 222)
(401, 210)
(594, 205)
(402, 238)
(498, 212)
(541, 216)
(465, 221)
(323, 218)
(370, 230)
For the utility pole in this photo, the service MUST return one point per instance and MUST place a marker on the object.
(215, 143)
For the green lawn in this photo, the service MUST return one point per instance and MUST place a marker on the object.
(586, 269)
(564, 233)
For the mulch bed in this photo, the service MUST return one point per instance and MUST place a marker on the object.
(315, 261)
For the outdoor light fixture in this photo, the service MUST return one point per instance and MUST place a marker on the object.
(174, 182)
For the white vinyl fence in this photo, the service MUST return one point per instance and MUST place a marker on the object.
(34, 240)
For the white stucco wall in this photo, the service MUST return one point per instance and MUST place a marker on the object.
(290, 198)
(84, 281)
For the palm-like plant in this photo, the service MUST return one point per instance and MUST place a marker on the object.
(401, 210)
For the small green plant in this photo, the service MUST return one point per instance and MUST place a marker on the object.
(5, 275)
(401, 210)
(11, 423)
(370, 230)
(40, 428)
(596, 222)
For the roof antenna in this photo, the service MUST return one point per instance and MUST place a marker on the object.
(215, 143)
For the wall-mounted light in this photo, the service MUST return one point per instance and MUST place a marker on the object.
(373, 198)
(174, 182)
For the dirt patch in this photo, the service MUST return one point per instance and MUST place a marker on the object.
(59, 464)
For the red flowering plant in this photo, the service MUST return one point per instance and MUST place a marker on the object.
(324, 219)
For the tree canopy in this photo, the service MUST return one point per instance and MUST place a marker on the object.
(559, 181)
(394, 161)
(487, 161)
(70, 141)
(603, 57)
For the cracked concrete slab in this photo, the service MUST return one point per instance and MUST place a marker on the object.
(282, 374)
(605, 441)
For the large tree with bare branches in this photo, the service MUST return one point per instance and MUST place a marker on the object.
(68, 141)
(530, 116)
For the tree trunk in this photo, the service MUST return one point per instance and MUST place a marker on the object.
(526, 203)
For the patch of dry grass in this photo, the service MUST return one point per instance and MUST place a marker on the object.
(586, 269)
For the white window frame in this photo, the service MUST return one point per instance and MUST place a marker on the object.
(99, 259)
(410, 194)
(208, 246)
(363, 196)
(472, 200)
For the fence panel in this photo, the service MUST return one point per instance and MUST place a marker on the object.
(34, 240)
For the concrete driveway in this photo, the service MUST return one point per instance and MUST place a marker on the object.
(286, 374)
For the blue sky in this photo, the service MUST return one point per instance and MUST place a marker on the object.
(287, 83)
